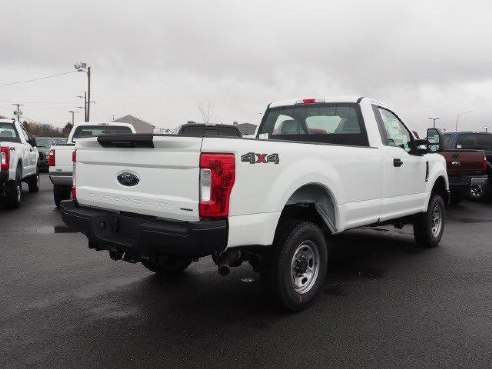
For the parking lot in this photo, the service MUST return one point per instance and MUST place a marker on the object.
(385, 303)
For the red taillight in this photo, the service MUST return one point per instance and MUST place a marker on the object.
(484, 164)
(73, 193)
(217, 175)
(51, 158)
(308, 101)
(4, 158)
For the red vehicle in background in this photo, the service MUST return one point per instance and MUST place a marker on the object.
(467, 165)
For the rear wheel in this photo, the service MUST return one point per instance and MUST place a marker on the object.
(33, 182)
(167, 266)
(477, 193)
(429, 226)
(295, 269)
(60, 193)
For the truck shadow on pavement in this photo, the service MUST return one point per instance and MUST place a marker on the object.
(355, 257)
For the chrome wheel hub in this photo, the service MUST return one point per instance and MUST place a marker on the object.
(436, 221)
(304, 267)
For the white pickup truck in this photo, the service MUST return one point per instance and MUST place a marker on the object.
(18, 162)
(60, 155)
(318, 167)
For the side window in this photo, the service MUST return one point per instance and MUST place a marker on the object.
(398, 135)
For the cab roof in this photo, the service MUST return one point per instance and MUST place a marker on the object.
(332, 99)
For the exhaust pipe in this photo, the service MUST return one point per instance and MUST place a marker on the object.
(227, 260)
(224, 270)
(115, 254)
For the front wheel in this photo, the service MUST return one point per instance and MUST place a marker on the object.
(167, 266)
(296, 268)
(428, 227)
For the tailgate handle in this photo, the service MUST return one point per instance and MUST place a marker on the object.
(397, 163)
(127, 140)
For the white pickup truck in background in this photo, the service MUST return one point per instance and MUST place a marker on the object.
(60, 155)
(18, 162)
(318, 167)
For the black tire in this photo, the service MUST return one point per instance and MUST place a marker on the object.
(478, 193)
(167, 266)
(426, 230)
(457, 197)
(61, 193)
(299, 247)
(33, 182)
(14, 197)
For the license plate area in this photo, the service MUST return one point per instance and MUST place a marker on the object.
(117, 229)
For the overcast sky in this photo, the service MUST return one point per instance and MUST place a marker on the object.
(159, 59)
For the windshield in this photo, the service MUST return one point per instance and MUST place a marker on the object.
(330, 123)
(475, 141)
(99, 130)
(8, 133)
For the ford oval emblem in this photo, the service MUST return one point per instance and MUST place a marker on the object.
(128, 179)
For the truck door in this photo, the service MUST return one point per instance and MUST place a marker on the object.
(404, 172)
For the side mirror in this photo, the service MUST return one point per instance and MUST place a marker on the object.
(435, 140)
(32, 141)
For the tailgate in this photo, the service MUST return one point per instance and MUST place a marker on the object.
(145, 174)
(464, 162)
(63, 158)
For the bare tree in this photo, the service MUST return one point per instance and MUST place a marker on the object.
(206, 110)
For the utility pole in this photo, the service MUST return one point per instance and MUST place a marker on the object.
(73, 113)
(88, 94)
(85, 105)
(433, 121)
(83, 67)
(18, 112)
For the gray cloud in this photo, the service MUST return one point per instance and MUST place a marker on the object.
(158, 59)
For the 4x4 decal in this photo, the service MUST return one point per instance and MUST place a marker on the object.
(254, 158)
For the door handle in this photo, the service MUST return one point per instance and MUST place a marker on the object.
(397, 163)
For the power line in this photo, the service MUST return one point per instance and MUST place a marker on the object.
(36, 79)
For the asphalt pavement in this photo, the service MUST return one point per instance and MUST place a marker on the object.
(385, 303)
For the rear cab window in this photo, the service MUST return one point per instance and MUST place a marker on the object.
(333, 123)
(474, 141)
(99, 130)
(8, 133)
(210, 131)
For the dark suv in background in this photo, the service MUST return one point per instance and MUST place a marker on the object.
(209, 130)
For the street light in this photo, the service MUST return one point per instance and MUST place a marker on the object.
(459, 115)
(83, 67)
(73, 113)
(433, 121)
(486, 128)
